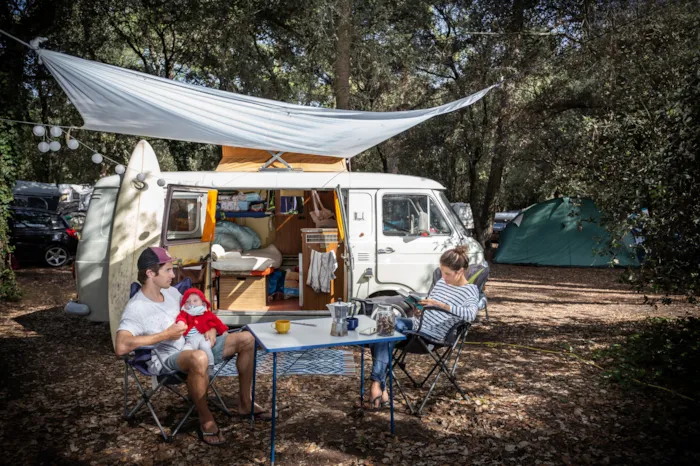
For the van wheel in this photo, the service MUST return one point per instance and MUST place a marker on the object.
(56, 256)
(391, 299)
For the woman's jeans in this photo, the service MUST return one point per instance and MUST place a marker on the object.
(382, 351)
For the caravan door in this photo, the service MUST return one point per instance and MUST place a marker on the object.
(189, 220)
(412, 233)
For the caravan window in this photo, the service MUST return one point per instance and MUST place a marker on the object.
(186, 215)
(412, 215)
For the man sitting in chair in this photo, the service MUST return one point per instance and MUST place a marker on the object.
(149, 319)
(452, 293)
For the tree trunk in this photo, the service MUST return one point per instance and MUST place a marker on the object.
(473, 178)
(341, 66)
(498, 162)
(484, 224)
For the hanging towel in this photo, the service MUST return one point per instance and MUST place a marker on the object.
(321, 271)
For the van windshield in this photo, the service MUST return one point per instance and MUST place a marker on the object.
(454, 218)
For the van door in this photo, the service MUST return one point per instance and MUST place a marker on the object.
(362, 236)
(343, 233)
(189, 220)
(412, 233)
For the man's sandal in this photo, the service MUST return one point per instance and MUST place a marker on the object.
(203, 435)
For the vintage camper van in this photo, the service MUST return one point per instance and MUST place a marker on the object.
(389, 233)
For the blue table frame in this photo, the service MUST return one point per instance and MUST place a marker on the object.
(303, 338)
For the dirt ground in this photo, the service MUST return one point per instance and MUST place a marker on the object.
(61, 395)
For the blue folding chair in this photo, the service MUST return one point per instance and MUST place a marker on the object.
(441, 351)
(137, 362)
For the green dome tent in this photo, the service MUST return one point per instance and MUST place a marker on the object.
(561, 232)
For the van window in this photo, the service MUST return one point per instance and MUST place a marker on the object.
(456, 220)
(186, 215)
(412, 215)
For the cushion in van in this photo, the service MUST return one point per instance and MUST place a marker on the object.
(259, 259)
(235, 237)
(264, 227)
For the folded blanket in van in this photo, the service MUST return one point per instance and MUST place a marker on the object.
(235, 237)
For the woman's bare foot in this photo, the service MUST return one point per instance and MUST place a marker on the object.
(377, 397)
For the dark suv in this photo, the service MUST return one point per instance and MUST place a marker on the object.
(40, 235)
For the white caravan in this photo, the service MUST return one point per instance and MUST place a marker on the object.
(396, 227)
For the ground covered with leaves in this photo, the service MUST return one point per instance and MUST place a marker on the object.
(61, 395)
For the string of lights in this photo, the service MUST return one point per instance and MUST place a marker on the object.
(50, 142)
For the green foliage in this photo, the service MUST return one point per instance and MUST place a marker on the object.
(637, 151)
(9, 291)
(664, 352)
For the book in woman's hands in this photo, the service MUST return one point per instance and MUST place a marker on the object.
(411, 298)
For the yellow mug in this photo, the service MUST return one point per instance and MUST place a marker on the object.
(282, 326)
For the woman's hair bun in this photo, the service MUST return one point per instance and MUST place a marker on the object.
(456, 259)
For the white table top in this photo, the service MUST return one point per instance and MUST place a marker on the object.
(302, 337)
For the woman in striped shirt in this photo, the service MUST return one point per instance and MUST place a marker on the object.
(452, 293)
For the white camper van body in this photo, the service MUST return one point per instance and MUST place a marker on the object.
(377, 262)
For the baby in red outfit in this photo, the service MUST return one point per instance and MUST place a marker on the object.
(195, 312)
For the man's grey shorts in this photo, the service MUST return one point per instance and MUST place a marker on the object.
(170, 364)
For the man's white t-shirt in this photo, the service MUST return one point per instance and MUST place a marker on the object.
(145, 317)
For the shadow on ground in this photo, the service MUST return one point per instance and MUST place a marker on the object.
(62, 396)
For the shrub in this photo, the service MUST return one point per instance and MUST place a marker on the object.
(664, 352)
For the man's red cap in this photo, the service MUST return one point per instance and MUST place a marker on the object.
(199, 293)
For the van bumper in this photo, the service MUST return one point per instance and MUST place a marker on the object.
(78, 309)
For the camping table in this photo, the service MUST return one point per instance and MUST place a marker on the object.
(301, 338)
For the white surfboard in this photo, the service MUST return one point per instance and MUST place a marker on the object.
(137, 225)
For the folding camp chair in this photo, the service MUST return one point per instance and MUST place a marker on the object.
(137, 362)
(440, 350)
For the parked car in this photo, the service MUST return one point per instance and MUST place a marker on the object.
(500, 222)
(39, 235)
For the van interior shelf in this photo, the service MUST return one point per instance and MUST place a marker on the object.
(240, 214)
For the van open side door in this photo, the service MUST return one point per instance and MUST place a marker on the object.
(342, 218)
(189, 220)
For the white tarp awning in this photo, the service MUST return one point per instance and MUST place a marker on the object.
(117, 100)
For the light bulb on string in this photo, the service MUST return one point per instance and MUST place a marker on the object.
(141, 177)
(55, 131)
(54, 146)
(73, 144)
(43, 146)
(97, 158)
(119, 169)
(39, 130)
(161, 182)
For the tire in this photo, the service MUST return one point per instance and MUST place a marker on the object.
(56, 255)
(398, 311)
